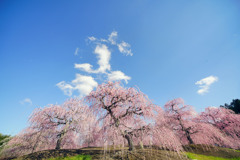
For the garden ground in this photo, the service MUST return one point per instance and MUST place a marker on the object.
(196, 152)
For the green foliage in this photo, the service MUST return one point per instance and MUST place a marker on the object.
(2, 137)
(3, 141)
(194, 156)
(233, 150)
(78, 157)
(234, 105)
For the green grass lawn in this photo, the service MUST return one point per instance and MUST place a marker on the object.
(194, 156)
(234, 150)
(78, 157)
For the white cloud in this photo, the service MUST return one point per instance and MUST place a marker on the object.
(103, 40)
(124, 47)
(84, 67)
(104, 56)
(76, 51)
(26, 101)
(205, 84)
(113, 37)
(117, 76)
(83, 84)
(66, 88)
(92, 38)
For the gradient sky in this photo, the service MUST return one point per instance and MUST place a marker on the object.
(174, 45)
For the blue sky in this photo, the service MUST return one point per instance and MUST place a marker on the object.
(175, 44)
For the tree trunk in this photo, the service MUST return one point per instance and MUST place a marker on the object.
(59, 141)
(60, 137)
(130, 142)
(189, 139)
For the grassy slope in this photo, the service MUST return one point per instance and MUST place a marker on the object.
(78, 157)
(217, 152)
(192, 152)
(190, 155)
(204, 157)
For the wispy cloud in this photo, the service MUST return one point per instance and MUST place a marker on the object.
(113, 37)
(124, 47)
(65, 87)
(84, 84)
(205, 84)
(86, 67)
(26, 101)
(76, 51)
(92, 38)
(117, 76)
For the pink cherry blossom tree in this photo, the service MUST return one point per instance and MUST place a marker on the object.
(184, 122)
(123, 111)
(179, 117)
(225, 120)
(70, 125)
(65, 120)
(163, 135)
(53, 118)
(28, 141)
(55, 127)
